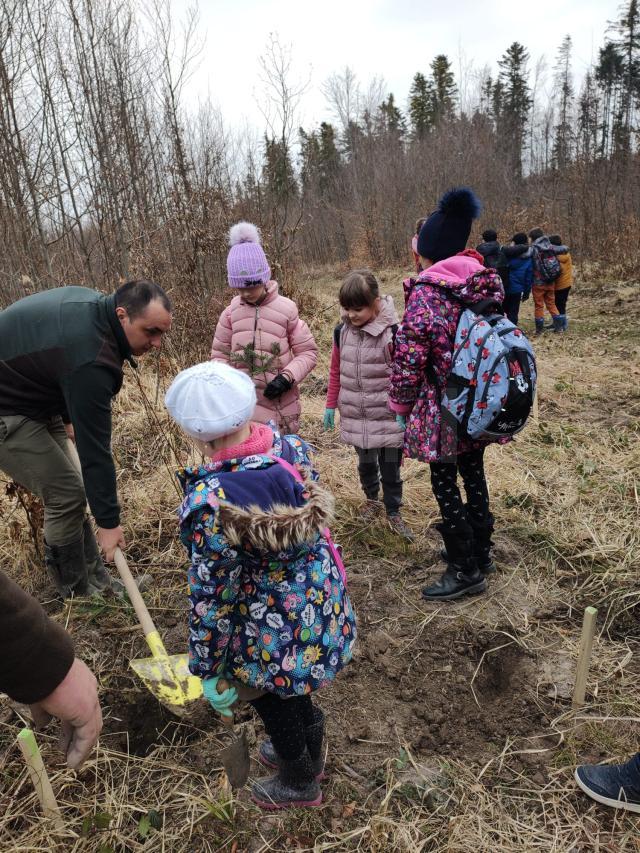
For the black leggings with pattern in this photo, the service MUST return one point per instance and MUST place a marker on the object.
(285, 721)
(445, 488)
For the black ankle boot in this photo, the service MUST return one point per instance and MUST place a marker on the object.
(462, 577)
(482, 543)
(67, 567)
(294, 786)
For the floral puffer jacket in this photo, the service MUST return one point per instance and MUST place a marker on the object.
(424, 349)
(269, 608)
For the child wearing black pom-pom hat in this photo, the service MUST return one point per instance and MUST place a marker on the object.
(423, 353)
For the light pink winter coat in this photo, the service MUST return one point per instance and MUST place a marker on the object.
(359, 381)
(264, 340)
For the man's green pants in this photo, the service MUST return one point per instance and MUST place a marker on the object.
(36, 455)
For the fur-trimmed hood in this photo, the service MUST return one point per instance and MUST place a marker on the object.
(257, 502)
(282, 526)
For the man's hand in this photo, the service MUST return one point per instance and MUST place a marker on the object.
(109, 539)
(68, 428)
(75, 703)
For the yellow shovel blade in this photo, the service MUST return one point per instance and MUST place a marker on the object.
(169, 679)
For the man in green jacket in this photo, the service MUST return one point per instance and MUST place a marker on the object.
(61, 357)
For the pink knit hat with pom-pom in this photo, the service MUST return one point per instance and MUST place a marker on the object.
(246, 262)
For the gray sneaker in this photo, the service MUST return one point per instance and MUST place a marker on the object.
(399, 526)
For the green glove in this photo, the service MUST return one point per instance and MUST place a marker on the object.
(220, 702)
(401, 421)
(329, 420)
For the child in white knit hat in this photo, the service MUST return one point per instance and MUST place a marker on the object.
(269, 607)
(261, 333)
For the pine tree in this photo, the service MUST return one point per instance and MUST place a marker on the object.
(420, 106)
(277, 171)
(628, 45)
(588, 119)
(563, 132)
(329, 157)
(389, 119)
(609, 75)
(512, 103)
(443, 90)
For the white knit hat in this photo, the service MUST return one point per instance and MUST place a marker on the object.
(211, 399)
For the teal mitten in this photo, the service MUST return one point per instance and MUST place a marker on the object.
(329, 420)
(401, 421)
(220, 702)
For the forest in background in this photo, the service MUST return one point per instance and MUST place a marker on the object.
(107, 172)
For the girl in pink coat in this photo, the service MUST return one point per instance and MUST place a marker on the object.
(361, 360)
(261, 333)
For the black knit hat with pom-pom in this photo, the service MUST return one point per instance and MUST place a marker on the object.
(446, 231)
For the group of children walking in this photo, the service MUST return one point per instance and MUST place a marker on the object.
(270, 612)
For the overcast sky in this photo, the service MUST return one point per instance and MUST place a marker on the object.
(392, 38)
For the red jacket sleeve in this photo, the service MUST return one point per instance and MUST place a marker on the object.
(35, 652)
(334, 378)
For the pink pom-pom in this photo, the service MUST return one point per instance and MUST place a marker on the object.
(244, 232)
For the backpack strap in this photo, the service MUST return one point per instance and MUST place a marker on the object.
(336, 334)
(335, 553)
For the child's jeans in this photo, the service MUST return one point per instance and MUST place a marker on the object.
(378, 464)
(544, 295)
(561, 297)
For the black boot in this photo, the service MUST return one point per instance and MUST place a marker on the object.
(67, 567)
(294, 786)
(462, 577)
(482, 531)
(482, 543)
(314, 736)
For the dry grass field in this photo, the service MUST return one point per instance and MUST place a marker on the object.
(453, 728)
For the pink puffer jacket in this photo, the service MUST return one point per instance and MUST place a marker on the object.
(264, 340)
(359, 381)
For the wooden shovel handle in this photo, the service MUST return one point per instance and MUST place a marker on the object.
(145, 620)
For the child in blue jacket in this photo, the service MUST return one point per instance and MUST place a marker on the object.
(269, 606)
(518, 288)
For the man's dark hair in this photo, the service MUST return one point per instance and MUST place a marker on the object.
(489, 235)
(555, 240)
(536, 233)
(520, 239)
(135, 296)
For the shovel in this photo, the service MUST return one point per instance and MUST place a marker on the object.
(169, 679)
(166, 676)
(235, 756)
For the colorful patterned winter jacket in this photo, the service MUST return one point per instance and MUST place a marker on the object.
(264, 340)
(269, 608)
(424, 348)
(359, 380)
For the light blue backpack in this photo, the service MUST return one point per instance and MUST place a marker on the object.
(490, 389)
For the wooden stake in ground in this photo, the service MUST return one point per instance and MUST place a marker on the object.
(39, 777)
(584, 658)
